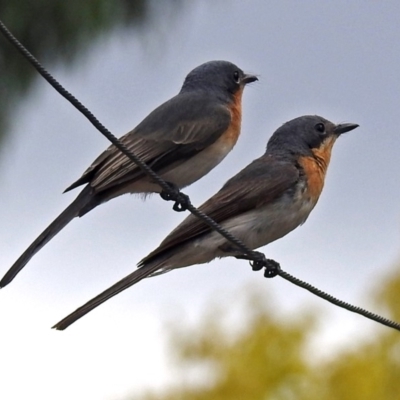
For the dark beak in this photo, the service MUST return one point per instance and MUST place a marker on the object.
(343, 128)
(248, 79)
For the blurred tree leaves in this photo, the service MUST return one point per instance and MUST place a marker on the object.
(58, 30)
(268, 359)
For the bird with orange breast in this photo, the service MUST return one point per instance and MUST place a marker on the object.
(182, 140)
(262, 203)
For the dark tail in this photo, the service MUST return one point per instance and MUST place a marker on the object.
(123, 284)
(56, 226)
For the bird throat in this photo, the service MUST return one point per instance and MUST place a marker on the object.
(315, 167)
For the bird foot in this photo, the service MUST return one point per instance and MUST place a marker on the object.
(181, 199)
(258, 261)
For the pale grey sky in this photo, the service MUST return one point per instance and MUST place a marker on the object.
(338, 59)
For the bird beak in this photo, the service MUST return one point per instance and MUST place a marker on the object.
(343, 128)
(248, 79)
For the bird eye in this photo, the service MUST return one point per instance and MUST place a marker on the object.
(320, 128)
(236, 76)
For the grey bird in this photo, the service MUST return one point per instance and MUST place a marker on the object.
(265, 201)
(182, 140)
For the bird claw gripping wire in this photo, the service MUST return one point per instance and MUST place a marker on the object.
(272, 268)
(258, 262)
(174, 194)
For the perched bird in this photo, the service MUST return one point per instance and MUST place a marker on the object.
(266, 200)
(182, 140)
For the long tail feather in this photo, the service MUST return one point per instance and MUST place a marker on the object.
(123, 284)
(55, 227)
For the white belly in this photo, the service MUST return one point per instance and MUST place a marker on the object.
(255, 228)
(188, 172)
(201, 164)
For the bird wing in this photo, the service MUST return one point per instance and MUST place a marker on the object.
(261, 182)
(172, 133)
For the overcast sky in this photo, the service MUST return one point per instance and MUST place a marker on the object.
(337, 59)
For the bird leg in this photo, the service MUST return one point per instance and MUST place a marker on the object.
(174, 194)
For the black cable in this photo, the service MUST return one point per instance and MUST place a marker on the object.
(182, 201)
(337, 302)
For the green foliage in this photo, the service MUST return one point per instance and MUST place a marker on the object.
(267, 359)
(58, 31)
